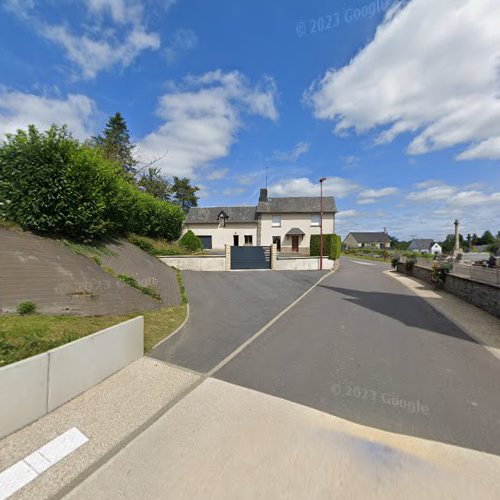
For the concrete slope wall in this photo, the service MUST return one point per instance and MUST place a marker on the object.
(33, 387)
(125, 258)
(58, 281)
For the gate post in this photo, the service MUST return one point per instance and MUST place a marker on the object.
(273, 256)
(228, 257)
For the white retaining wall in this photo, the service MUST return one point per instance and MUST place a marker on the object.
(302, 264)
(33, 387)
(196, 263)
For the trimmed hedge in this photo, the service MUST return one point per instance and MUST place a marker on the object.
(332, 244)
(191, 242)
(52, 184)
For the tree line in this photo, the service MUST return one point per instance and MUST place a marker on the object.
(491, 242)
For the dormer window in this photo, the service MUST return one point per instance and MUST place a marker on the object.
(222, 218)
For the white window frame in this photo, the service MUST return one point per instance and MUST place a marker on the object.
(250, 236)
(276, 220)
(314, 222)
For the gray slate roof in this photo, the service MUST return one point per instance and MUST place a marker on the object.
(209, 215)
(295, 231)
(379, 237)
(421, 244)
(300, 204)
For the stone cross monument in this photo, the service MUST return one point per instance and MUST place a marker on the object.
(457, 238)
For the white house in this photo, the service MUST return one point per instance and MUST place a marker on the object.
(288, 222)
(425, 245)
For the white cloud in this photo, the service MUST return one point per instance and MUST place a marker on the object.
(233, 191)
(219, 173)
(431, 70)
(434, 193)
(350, 161)
(18, 110)
(454, 197)
(94, 46)
(202, 119)
(333, 186)
(370, 196)
(346, 214)
(181, 41)
(93, 55)
(299, 149)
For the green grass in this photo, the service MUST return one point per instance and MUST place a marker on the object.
(146, 290)
(91, 250)
(181, 287)
(365, 257)
(25, 336)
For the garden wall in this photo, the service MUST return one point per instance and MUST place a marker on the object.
(482, 295)
(196, 262)
(33, 387)
(302, 264)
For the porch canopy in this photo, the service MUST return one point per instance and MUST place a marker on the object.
(295, 231)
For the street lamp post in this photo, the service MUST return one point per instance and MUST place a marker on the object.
(321, 224)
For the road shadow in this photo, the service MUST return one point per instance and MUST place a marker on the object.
(410, 310)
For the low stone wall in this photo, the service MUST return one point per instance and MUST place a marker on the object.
(33, 387)
(482, 295)
(196, 262)
(302, 264)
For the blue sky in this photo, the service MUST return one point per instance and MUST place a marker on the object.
(397, 103)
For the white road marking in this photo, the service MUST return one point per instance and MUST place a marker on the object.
(362, 263)
(23, 472)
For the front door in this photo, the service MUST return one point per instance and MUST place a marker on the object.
(295, 243)
(277, 242)
(236, 240)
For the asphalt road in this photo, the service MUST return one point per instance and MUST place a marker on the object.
(363, 347)
(227, 309)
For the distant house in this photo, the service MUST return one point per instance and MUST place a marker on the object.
(425, 245)
(287, 222)
(367, 240)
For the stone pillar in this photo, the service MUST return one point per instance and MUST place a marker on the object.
(274, 253)
(457, 238)
(228, 257)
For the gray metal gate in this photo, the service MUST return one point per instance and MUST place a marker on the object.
(250, 258)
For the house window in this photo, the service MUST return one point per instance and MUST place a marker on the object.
(315, 220)
(248, 239)
(276, 220)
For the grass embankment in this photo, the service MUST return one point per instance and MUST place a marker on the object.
(28, 335)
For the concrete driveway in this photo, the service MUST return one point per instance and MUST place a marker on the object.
(226, 309)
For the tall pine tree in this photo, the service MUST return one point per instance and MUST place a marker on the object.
(115, 143)
(184, 193)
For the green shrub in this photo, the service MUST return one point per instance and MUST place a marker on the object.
(52, 184)
(26, 308)
(395, 262)
(409, 265)
(439, 271)
(191, 242)
(142, 243)
(332, 245)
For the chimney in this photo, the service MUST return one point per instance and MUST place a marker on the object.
(385, 230)
(263, 195)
